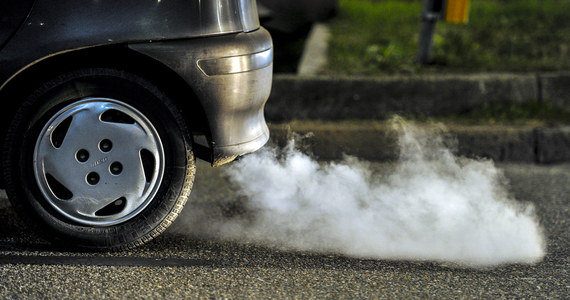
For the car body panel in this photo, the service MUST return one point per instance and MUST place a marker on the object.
(221, 36)
(12, 15)
(233, 96)
(57, 26)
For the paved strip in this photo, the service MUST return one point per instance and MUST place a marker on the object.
(244, 270)
(378, 141)
(348, 97)
(103, 261)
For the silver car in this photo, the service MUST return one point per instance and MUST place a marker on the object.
(106, 103)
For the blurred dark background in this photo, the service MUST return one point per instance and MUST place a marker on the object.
(289, 23)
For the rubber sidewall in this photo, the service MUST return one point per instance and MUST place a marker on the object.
(47, 100)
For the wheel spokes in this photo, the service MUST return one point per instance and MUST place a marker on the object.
(99, 161)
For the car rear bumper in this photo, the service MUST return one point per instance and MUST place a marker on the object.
(231, 76)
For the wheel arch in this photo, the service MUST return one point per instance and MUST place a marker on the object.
(115, 56)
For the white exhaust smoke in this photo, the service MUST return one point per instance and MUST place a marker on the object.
(431, 205)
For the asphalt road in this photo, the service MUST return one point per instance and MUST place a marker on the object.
(182, 264)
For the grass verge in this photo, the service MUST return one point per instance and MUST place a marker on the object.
(380, 37)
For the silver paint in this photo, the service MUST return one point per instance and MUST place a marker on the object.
(236, 64)
(85, 132)
(63, 25)
(233, 102)
(237, 54)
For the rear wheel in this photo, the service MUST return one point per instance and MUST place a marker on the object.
(98, 158)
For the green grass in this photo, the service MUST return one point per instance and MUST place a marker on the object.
(380, 37)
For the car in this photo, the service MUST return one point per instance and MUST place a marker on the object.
(106, 104)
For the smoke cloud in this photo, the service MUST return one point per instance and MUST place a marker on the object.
(430, 205)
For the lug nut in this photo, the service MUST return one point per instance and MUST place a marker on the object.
(92, 178)
(82, 155)
(105, 145)
(116, 168)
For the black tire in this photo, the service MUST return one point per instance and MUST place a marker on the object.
(170, 170)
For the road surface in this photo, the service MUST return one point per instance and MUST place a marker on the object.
(182, 265)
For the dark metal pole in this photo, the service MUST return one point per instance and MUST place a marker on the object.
(426, 41)
(431, 12)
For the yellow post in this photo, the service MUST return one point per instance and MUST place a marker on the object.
(457, 11)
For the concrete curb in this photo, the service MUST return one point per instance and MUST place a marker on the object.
(341, 98)
(314, 56)
(377, 141)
